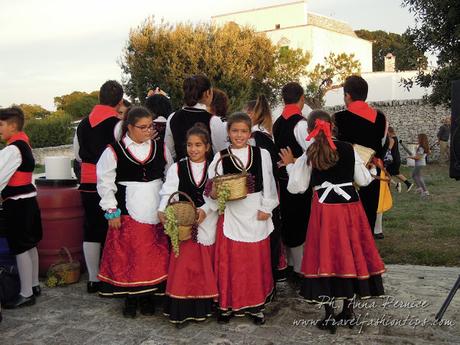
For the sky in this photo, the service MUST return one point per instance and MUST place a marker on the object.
(50, 48)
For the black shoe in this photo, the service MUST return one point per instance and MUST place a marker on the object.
(92, 287)
(379, 236)
(1, 317)
(130, 308)
(258, 319)
(327, 324)
(181, 325)
(223, 318)
(37, 290)
(20, 302)
(147, 305)
(346, 319)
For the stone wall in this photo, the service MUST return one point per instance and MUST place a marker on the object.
(409, 118)
(41, 153)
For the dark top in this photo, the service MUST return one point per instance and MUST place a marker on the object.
(283, 134)
(27, 165)
(444, 132)
(357, 130)
(253, 167)
(342, 172)
(395, 152)
(181, 122)
(265, 141)
(187, 184)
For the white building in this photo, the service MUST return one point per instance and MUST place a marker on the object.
(292, 25)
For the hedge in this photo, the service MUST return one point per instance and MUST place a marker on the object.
(52, 131)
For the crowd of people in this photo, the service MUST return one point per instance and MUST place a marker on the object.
(309, 215)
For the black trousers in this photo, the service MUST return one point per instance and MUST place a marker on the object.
(95, 225)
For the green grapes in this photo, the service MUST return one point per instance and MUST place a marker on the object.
(51, 281)
(223, 194)
(172, 229)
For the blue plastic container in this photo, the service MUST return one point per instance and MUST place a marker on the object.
(6, 259)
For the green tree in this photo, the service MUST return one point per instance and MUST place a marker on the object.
(408, 56)
(329, 76)
(437, 31)
(77, 104)
(236, 59)
(34, 111)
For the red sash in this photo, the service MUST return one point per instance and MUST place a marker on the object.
(88, 173)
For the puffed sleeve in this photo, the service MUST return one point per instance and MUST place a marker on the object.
(362, 176)
(169, 140)
(299, 175)
(211, 204)
(106, 170)
(269, 192)
(10, 160)
(170, 186)
(301, 133)
(169, 160)
(218, 134)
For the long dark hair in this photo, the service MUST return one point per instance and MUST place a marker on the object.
(200, 130)
(320, 154)
(423, 142)
(133, 114)
(194, 87)
(262, 113)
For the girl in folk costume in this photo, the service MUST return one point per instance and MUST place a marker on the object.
(340, 259)
(135, 257)
(262, 137)
(242, 261)
(191, 288)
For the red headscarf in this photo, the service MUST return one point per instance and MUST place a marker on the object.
(325, 127)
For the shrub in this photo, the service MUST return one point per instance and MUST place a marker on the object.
(53, 131)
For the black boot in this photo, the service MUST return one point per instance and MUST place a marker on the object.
(130, 308)
(37, 290)
(328, 323)
(147, 305)
(346, 317)
(223, 317)
(258, 319)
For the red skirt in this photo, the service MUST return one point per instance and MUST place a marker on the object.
(339, 243)
(243, 271)
(135, 258)
(191, 274)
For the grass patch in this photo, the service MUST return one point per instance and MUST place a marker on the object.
(424, 231)
(39, 169)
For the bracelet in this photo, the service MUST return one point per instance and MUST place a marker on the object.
(112, 213)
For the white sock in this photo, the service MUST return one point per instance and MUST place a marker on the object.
(92, 251)
(378, 228)
(24, 263)
(295, 255)
(34, 257)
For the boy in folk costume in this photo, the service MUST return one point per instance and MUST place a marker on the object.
(340, 260)
(361, 124)
(93, 134)
(18, 194)
(290, 130)
(130, 174)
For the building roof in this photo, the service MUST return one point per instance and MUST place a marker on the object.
(329, 23)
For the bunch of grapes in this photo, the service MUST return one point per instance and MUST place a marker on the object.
(195, 232)
(223, 194)
(51, 281)
(208, 188)
(250, 183)
(172, 229)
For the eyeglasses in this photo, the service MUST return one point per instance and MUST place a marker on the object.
(146, 128)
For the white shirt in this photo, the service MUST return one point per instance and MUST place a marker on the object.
(10, 160)
(207, 229)
(240, 216)
(300, 174)
(218, 132)
(136, 192)
(301, 133)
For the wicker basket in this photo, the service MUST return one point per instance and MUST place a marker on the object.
(185, 214)
(236, 183)
(66, 272)
(365, 153)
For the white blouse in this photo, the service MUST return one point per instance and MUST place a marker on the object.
(207, 229)
(240, 216)
(300, 174)
(218, 132)
(137, 193)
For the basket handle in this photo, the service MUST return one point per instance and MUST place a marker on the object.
(240, 163)
(64, 251)
(183, 194)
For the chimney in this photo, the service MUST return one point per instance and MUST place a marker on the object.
(390, 62)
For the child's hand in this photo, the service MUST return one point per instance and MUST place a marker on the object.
(262, 215)
(201, 216)
(162, 217)
(286, 156)
(115, 223)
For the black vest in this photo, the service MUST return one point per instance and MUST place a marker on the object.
(283, 134)
(27, 166)
(254, 166)
(357, 130)
(265, 141)
(130, 169)
(181, 122)
(187, 183)
(93, 141)
(342, 172)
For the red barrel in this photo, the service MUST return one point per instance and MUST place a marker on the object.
(62, 221)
